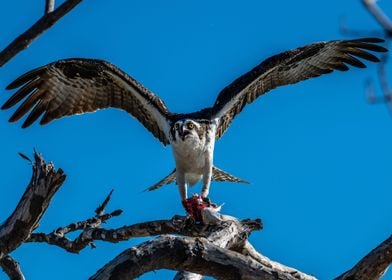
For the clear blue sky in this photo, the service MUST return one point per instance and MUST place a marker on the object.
(317, 154)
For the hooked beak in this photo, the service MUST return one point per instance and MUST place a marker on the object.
(184, 133)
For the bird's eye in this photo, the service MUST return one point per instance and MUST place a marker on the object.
(190, 125)
(177, 126)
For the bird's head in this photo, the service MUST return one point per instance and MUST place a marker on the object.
(186, 129)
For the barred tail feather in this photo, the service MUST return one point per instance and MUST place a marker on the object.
(217, 175)
(171, 178)
(221, 176)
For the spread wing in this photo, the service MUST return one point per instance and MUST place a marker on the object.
(76, 86)
(288, 68)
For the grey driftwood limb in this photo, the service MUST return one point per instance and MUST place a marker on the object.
(373, 265)
(220, 249)
(41, 25)
(214, 254)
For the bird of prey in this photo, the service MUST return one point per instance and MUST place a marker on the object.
(76, 86)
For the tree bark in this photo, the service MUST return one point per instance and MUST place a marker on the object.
(44, 23)
(17, 228)
(219, 247)
(49, 6)
(215, 255)
(11, 268)
(197, 255)
(373, 265)
(44, 184)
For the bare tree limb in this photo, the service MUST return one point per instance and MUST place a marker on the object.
(44, 23)
(373, 265)
(186, 253)
(214, 255)
(186, 275)
(101, 208)
(44, 184)
(249, 251)
(59, 239)
(11, 268)
(220, 249)
(49, 6)
(177, 225)
(379, 15)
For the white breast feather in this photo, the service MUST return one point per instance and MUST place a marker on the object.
(192, 154)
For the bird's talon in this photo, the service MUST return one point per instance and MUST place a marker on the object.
(206, 200)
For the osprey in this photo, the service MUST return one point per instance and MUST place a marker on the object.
(76, 86)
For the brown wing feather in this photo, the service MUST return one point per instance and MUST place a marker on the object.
(76, 86)
(221, 176)
(288, 68)
(171, 178)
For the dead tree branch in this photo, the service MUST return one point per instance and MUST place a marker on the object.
(44, 184)
(216, 255)
(11, 268)
(17, 228)
(44, 23)
(185, 253)
(196, 254)
(49, 6)
(249, 251)
(373, 265)
(185, 275)
(230, 236)
(379, 15)
(88, 235)
(220, 248)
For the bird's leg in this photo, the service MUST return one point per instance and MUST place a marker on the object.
(188, 204)
(181, 184)
(207, 175)
(191, 205)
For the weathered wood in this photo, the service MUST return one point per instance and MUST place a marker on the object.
(49, 6)
(44, 184)
(176, 225)
(11, 268)
(211, 255)
(251, 252)
(186, 275)
(219, 247)
(186, 253)
(373, 265)
(40, 26)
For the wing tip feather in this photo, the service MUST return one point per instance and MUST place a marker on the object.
(30, 75)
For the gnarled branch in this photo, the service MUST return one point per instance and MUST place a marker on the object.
(186, 253)
(11, 268)
(373, 265)
(44, 184)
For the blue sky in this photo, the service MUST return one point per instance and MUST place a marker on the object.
(317, 154)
